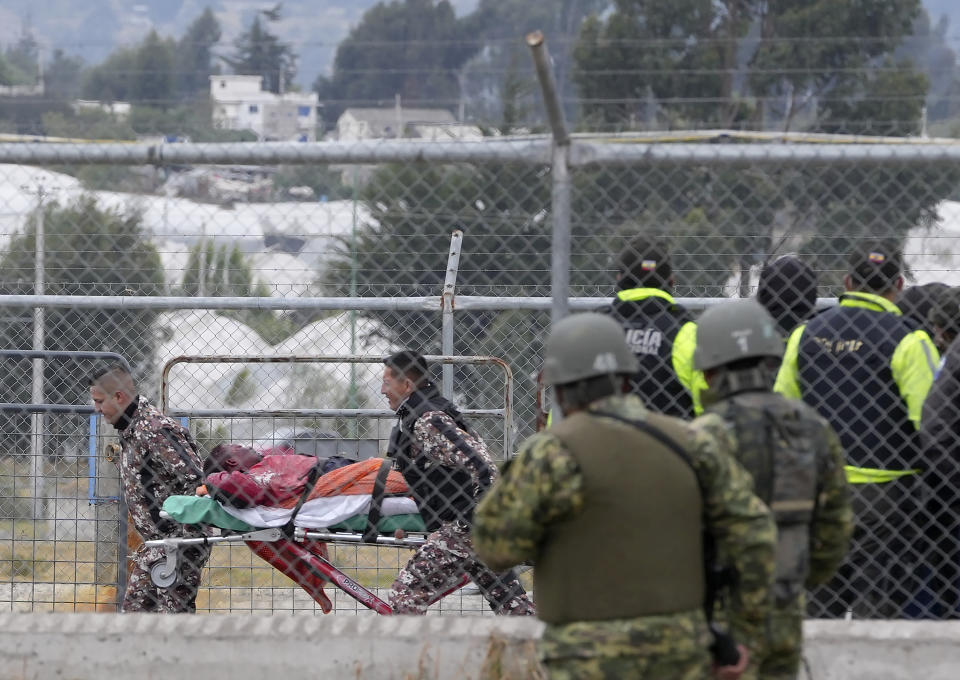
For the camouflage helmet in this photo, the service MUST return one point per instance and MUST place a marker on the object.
(735, 330)
(584, 346)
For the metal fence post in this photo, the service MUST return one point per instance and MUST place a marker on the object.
(561, 191)
(446, 305)
(38, 420)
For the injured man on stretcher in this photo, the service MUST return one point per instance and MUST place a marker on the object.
(246, 494)
(244, 489)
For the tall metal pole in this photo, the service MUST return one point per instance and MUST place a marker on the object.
(562, 188)
(38, 420)
(447, 304)
(352, 393)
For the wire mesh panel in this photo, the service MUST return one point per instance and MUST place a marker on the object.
(249, 262)
(307, 424)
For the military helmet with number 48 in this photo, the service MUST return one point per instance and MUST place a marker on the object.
(584, 346)
(735, 330)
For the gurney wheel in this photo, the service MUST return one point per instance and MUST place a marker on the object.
(159, 575)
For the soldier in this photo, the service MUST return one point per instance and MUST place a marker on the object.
(867, 371)
(795, 459)
(447, 467)
(660, 332)
(159, 459)
(617, 506)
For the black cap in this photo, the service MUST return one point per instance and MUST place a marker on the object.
(876, 265)
(788, 290)
(409, 363)
(644, 263)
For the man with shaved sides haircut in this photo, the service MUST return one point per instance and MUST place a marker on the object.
(159, 459)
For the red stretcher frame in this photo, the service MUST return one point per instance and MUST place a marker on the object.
(303, 558)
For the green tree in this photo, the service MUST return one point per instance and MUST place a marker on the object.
(413, 48)
(738, 62)
(501, 67)
(88, 251)
(402, 247)
(8, 74)
(155, 79)
(23, 56)
(194, 55)
(644, 65)
(190, 119)
(259, 52)
(928, 47)
(222, 271)
(62, 77)
(114, 78)
(851, 58)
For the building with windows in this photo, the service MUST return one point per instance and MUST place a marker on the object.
(241, 103)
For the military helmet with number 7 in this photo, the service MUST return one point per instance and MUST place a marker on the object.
(584, 346)
(735, 330)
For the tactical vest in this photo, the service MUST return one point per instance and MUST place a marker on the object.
(781, 443)
(443, 493)
(651, 325)
(843, 363)
(640, 527)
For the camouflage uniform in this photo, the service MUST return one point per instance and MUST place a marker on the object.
(742, 424)
(542, 485)
(448, 552)
(159, 460)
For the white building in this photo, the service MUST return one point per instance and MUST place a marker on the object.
(241, 103)
(434, 124)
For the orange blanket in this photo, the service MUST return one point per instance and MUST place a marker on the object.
(353, 480)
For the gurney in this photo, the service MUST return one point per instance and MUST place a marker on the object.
(294, 540)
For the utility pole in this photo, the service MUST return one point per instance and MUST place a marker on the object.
(38, 420)
(398, 110)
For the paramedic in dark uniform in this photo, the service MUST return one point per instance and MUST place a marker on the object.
(868, 371)
(447, 467)
(660, 333)
(158, 459)
(612, 505)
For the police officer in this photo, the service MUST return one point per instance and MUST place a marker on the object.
(612, 505)
(867, 371)
(158, 459)
(660, 332)
(788, 290)
(916, 303)
(795, 459)
(447, 467)
(943, 317)
(940, 435)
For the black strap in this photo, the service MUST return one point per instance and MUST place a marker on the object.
(484, 474)
(661, 437)
(376, 502)
(312, 475)
(188, 460)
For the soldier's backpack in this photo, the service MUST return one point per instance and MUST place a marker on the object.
(778, 442)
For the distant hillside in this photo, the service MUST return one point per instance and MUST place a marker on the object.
(93, 28)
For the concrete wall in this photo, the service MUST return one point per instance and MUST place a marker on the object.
(279, 647)
(882, 650)
(236, 647)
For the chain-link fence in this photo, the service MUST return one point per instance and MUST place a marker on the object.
(210, 261)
